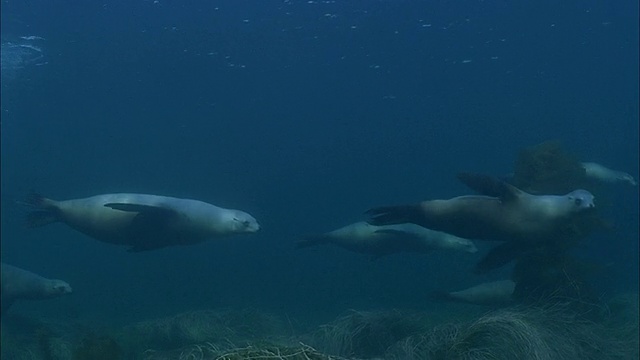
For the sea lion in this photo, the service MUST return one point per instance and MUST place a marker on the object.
(502, 213)
(365, 238)
(143, 222)
(489, 293)
(19, 284)
(601, 173)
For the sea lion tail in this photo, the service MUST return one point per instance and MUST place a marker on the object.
(311, 240)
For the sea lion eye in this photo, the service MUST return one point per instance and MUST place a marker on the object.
(245, 223)
(578, 201)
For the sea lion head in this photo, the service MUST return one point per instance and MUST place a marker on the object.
(58, 288)
(627, 178)
(241, 222)
(581, 200)
(462, 244)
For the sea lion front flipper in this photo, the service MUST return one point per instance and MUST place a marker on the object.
(388, 215)
(499, 256)
(398, 235)
(148, 216)
(392, 232)
(139, 208)
(151, 228)
(489, 186)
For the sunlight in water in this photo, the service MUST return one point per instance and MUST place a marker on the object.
(20, 54)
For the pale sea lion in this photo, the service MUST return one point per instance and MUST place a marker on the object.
(365, 238)
(601, 173)
(143, 222)
(502, 213)
(489, 293)
(19, 284)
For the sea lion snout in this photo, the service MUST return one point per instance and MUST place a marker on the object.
(246, 223)
(61, 288)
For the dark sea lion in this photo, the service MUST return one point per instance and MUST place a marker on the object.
(365, 238)
(144, 222)
(601, 173)
(502, 213)
(19, 284)
(489, 293)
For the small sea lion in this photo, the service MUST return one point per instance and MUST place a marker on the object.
(502, 213)
(19, 284)
(490, 293)
(601, 173)
(143, 222)
(365, 238)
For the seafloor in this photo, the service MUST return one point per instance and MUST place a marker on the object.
(455, 331)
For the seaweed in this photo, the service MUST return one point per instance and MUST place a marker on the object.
(97, 347)
(546, 168)
(260, 351)
(531, 332)
(367, 333)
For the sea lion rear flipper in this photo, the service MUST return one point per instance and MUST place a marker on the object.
(41, 218)
(33, 199)
(489, 186)
(45, 213)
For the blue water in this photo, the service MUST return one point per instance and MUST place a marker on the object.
(304, 114)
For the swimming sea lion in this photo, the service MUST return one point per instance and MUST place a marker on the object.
(490, 293)
(19, 284)
(144, 222)
(598, 172)
(365, 238)
(502, 213)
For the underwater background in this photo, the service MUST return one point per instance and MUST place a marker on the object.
(304, 114)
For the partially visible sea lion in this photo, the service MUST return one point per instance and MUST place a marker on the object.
(365, 238)
(601, 173)
(490, 293)
(144, 222)
(19, 284)
(502, 213)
